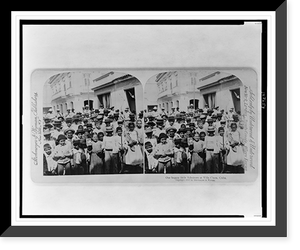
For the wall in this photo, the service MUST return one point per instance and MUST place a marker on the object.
(223, 94)
(73, 88)
(183, 92)
(118, 95)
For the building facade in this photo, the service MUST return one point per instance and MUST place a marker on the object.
(47, 98)
(177, 89)
(118, 90)
(221, 89)
(71, 90)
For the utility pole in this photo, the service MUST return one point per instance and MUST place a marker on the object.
(88, 83)
(194, 79)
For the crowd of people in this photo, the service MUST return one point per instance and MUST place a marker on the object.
(100, 141)
(108, 141)
(207, 140)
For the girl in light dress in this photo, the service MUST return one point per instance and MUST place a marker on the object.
(133, 155)
(196, 151)
(95, 150)
(235, 157)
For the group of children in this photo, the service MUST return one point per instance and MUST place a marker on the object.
(109, 143)
(92, 144)
(202, 142)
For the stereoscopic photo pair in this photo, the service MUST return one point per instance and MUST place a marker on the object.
(108, 122)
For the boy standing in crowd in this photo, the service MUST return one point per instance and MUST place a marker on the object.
(79, 158)
(57, 129)
(223, 146)
(149, 137)
(140, 132)
(163, 153)
(211, 150)
(50, 165)
(150, 162)
(196, 149)
(180, 157)
(119, 149)
(48, 139)
(111, 149)
(63, 155)
(159, 128)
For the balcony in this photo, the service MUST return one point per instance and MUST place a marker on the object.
(63, 94)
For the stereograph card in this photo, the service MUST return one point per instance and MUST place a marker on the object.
(175, 125)
(65, 91)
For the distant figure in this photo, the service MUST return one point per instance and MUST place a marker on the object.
(154, 112)
(50, 115)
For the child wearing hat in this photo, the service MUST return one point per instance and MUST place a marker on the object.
(170, 122)
(224, 147)
(77, 121)
(140, 132)
(219, 118)
(120, 149)
(150, 137)
(69, 135)
(181, 132)
(111, 149)
(172, 135)
(151, 124)
(223, 125)
(102, 124)
(200, 127)
(159, 128)
(101, 136)
(69, 124)
(241, 126)
(79, 158)
(63, 154)
(133, 156)
(57, 129)
(115, 121)
(150, 162)
(180, 157)
(235, 157)
(196, 149)
(48, 139)
(79, 133)
(98, 124)
(85, 122)
(95, 150)
(209, 123)
(179, 121)
(84, 163)
(189, 134)
(107, 122)
(61, 119)
(212, 150)
(49, 164)
(164, 153)
(132, 117)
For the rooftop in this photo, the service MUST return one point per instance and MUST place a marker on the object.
(109, 79)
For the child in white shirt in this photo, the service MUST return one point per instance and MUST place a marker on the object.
(63, 155)
(212, 151)
(110, 152)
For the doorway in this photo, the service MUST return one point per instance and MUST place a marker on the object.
(236, 99)
(130, 94)
(195, 103)
(89, 103)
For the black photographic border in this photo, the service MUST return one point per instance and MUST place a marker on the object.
(279, 230)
